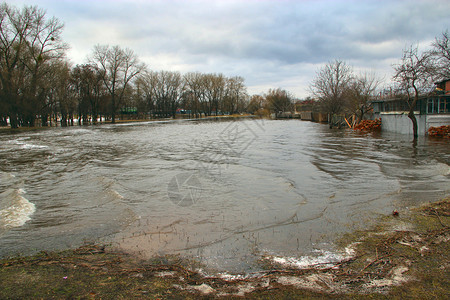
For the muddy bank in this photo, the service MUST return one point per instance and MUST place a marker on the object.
(404, 256)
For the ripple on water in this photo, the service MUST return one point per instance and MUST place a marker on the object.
(287, 188)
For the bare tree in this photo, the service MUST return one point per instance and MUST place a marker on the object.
(330, 86)
(117, 68)
(167, 92)
(234, 94)
(214, 89)
(414, 75)
(88, 87)
(63, 94)
(441, 56)
(278, 100)
(29, 44)
(195, 93)
(147, 82)
(361, 92)
(256, 104)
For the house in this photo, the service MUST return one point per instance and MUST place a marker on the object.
(431, 111)
(443, 87)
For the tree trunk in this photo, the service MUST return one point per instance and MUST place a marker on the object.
(360, 116)
(85, 119)
(412, 116)
(113, 109)
(79, 115)
(63, 120)
(13, 121)
(44, 120)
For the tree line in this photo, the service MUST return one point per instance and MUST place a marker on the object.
(38, 83)
(339, 91)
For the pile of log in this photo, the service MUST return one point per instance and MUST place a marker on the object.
(368, 125)
(442, 131)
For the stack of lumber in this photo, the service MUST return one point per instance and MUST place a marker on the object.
(368, 125)
(442, 131)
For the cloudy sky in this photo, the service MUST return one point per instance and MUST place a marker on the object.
(270, 43)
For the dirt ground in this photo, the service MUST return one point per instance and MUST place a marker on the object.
(405, 256)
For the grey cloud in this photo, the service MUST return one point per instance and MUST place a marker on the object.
(265, 40)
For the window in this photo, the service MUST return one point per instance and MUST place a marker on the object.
(430, 108)
(438, 106)
(444, 106)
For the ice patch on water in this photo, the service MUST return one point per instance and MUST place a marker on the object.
(15, 209)
(233, 277)
(229, 277)
(324, 259)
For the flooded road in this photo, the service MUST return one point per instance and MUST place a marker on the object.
(224, 192)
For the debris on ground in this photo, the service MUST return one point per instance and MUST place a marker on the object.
(441, 131)
(368, 125)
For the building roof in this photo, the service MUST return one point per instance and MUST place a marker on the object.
(442, 81)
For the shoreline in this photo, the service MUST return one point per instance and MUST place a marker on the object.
(234, 116)
(402, 256)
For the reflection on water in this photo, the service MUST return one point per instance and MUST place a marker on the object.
(225, 192)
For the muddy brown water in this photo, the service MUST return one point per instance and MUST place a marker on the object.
(226, 193)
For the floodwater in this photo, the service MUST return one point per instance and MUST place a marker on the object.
(226, 193)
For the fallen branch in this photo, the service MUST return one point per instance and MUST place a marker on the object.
(371, 263)
(439, 218)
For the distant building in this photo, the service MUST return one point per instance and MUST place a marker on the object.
(307, 110)
(431, 111)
